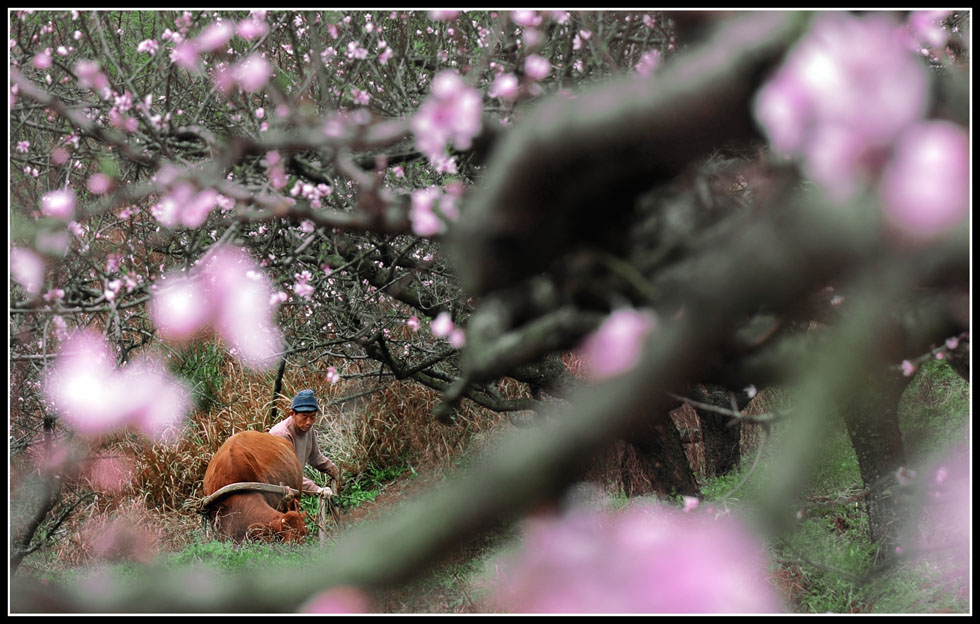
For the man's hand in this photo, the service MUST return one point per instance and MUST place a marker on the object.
(323, 492)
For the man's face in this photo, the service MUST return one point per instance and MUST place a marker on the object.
(304, 420)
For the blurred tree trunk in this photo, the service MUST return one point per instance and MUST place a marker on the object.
(654, 461)
(720, 434)
(871, 418)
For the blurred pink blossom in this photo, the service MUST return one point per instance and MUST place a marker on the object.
(457, 338)
(215, 36)
(94, 397)
(843, 95)
(451, 114)
(927, 30)
(253, 73)
(425, 222)
(59, 204)
(341, 599)
(443, 15)
(252, 28)
(332, 375)
(642, 559)
(649, 62)
(525, 18)
(99, 184)
(42, 60)
(536, 67)
(185, 55)
(27, 269)
(442, 326)
(89, 75)
(907, 368)
(244, 317)
(413, 323)
(180, 308)
(926, 186)
(505, 87)
(615, 347)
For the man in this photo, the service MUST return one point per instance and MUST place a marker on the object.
(298, 429)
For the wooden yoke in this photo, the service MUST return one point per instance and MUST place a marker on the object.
(287, 492)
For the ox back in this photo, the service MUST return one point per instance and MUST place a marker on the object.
(250, 456)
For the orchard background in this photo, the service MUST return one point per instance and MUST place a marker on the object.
(690, 259)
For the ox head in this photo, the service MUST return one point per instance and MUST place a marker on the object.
(290, 527)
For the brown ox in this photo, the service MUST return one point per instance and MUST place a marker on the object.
(260, 457)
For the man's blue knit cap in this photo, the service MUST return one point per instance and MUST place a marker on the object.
(304, 401)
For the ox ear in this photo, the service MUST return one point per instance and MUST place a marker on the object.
(258, 532)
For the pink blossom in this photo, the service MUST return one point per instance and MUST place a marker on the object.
(926, 187)
(94, 398)
(926, 28)
(155, 402)
(181, 307)
(23, 146)
(750, 391)
(185, 55)
(648, 63)
(99, 184)
(615, 347)
(525, 18)
(424, 220)
(844, 94)
(149, 46)
(952, 343)
(332, 375)
(536, 67)
(341, 599)
(642, 559)
(253, 73)
(244, 317)
(360, 97)
(452, 114)
(442, 326)
(385, 56)
(89, 76)
(301, 287)
(457, 338)
(252, 28)
(215, 36)
(505, 87)
(443, 16)
(59, 204)
(413, 323)
(907, 368)
(259, 113)
(27, 269)
(690, 503)
(42, 60)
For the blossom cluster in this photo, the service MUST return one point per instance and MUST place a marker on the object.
(642, 559)
(849, 101)
(228, 292)
(95, 397)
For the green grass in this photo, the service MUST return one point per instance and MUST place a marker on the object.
(227, 557)
(368, 485)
